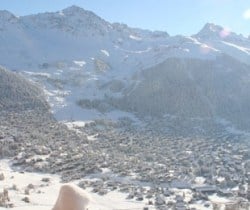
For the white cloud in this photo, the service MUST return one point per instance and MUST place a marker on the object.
(246, 14)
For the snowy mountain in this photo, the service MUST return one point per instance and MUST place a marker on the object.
(226, 41)
(91, 68)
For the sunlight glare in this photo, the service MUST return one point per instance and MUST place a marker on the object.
(205, 49)
(225, 32)
(246, 14)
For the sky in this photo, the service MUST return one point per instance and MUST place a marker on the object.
(184, 17)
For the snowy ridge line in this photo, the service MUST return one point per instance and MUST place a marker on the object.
(102, 60)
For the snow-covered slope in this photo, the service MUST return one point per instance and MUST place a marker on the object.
(83, 61)
(226, 41)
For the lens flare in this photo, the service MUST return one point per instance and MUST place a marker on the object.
(225, 32)
(246, 14)
(205, 49)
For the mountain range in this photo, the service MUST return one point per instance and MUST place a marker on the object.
(90, 68)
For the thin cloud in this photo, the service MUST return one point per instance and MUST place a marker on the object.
(246, 14)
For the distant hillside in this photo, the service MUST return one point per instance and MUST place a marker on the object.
(95, 68)
(19, 94)
(193, 88)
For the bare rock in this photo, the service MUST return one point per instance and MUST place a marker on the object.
(2, 177)
(159, 200)
(26, 199)
(31, 186)
(14, 187)
(27, 191)
(4, 198)
(45, 179)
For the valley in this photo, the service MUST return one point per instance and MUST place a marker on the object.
(161, 119)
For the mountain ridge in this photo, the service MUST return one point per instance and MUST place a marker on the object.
(74, 10)
(82, 60)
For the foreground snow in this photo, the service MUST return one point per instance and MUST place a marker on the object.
(44, 194)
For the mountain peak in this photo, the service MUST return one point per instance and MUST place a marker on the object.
(211, 31)
(7, 16)
(73, 8)
(75, 11)
(211, 27)
(72, 19)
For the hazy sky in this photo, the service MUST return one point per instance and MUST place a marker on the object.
(174, 16)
